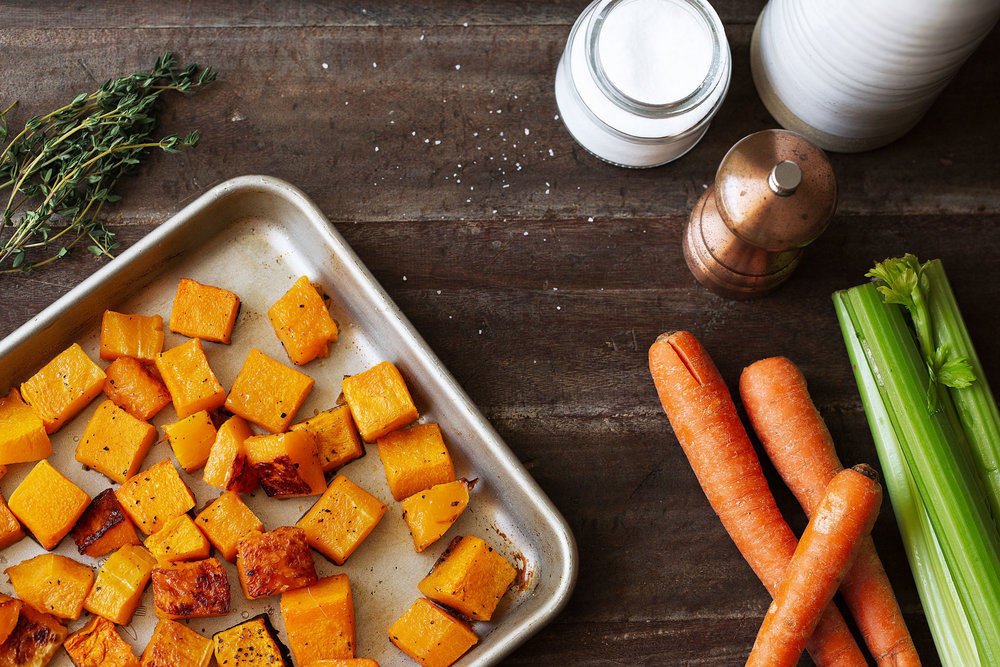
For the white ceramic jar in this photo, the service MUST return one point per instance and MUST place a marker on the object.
(640, 80)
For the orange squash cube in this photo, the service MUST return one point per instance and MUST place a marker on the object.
(336, 436)
(470, 577)
(63, 387)
(22, 434)
(103, 527)
(430, 513)
(10, 527)
(226, 521)
(10, 609)
(48, 504)
(115, 442)
(227, 467)
(174, 644)
(341, 519)
(52, 584)
(319, 620)
(203, 311)
(267, 392)
(192, 384)
(120, 584)
(415, 459)
(153, 497)
(379, 400)
(286, 464)
(179, 540)
(274, 562)
(35, 640)
(191, 439)
(136, 336)
(98, 644)
(132, 387)
(430, 635)
(193, 589)
(253, 643)
(302, 322)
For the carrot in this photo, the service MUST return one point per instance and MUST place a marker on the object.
(799, 445)
(826, 550)
(704, 419)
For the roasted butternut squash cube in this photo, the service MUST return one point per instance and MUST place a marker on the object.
(470, 577)
(379, 400)
(204, 311)
(35, 640)
(191, 439)
(193, 589)
(52, 584)
(415, 459)
(115, 442)
(274, 562)
(155, 496)
(98, 644)
(336, 436)
(132, 387)
(63, 387)
(268, 393)
(10, 527)
(136, 336)
(22, 432)
(120, 584)
(430, 513)
(227, 467)
(319, 620)
(179, 540)
(343, 662)
(302, 322)
(226, 521)
(286, 464)
(103, 527)
(430, 635)
(174, 644)
(10, 609)
(192, 384)
(341, 519)
(48, 504)
(253, 643)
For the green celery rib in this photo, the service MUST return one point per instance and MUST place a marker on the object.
(944, 612)
(936, 453)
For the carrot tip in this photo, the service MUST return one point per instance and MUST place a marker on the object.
(867, 471)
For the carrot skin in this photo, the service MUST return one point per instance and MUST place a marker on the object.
(826, 550)
(799, 444)
(708, 428)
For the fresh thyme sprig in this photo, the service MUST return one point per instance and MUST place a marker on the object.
(62, 167)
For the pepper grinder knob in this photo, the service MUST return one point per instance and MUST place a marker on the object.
(774, 193)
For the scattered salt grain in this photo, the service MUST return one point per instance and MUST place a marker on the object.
(325, 66)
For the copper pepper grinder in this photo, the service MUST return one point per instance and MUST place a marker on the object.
(774, 194)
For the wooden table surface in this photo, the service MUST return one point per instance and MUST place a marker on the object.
(428, 133)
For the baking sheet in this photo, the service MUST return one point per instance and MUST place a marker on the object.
(255, 235)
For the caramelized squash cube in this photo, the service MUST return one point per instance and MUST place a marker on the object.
(174, 644)
(179, 540)
(286, 464)
(470, 578)
(336, 436)
(35, 640)
(193, 589)
(253, 643)
(98, 644)
(48, 504)
(204, 311)
(10, 528)
(63, 387)
(430, 513)
(415, 459)
(341, 519)
(115, 442)
(302, 322)
(319, 620)
(22, 432)
(191, 439)
(379, 400)
(154, 496)
(10, 609)
(52, 584)
(131, 385)
(192, 384)
(136, 336)
(226, 521)
(274, 562)
(120, 584)
(430, 635)
(268, 393)
(227, 467)
(103, 527)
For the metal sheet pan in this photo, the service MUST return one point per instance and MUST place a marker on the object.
(255, 235)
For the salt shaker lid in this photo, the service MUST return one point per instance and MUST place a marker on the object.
(776, 190)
